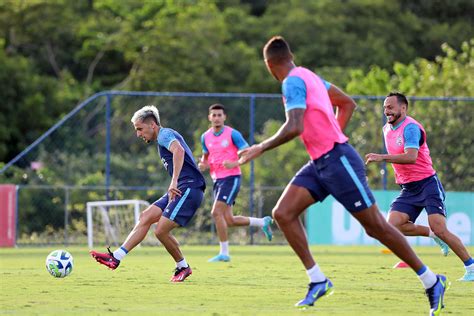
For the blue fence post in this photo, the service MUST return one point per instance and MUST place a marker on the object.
(252, 166)
(107, 145)
(384, 150)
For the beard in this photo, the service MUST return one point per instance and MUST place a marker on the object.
(394, 118)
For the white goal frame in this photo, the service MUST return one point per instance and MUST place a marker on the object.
(102, 204)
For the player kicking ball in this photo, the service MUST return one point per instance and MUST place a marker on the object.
(176, 207)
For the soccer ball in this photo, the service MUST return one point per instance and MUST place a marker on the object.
(59, 263)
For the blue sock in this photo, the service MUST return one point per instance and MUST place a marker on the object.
(468, 262)
(421, 271)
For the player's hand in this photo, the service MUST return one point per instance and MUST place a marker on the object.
(203, 165)
(373, 158)
(249, 153)
(229, 164)
(173, 190)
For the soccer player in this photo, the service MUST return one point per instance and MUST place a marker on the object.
(176, 207)
(220, 145)
(335, 168)
(407, 147)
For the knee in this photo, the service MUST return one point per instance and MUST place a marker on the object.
(160, 234)
(145, 218)
(230, 221)
(378, 229)
(395, 223)
(216, 213)
(439, 230)
(280, 215)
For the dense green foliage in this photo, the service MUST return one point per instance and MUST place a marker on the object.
(56, 53)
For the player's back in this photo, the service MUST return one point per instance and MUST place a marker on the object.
(321, 129)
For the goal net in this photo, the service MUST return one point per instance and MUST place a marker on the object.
(110, 222)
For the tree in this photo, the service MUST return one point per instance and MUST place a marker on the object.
(449, 75)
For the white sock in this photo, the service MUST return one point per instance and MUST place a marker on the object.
(182, 263)
(428, 278)
(470, 267)
(315, 274)
(120, 253)
(431, 234)
(224, 248)
(259, 222)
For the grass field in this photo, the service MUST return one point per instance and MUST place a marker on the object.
(260, 280)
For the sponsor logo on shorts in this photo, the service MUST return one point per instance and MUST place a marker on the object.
(358, 203)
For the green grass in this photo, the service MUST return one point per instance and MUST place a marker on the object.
(260, 280)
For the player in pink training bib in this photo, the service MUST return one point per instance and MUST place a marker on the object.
(407, 147)
(220, 145)
(335, 168)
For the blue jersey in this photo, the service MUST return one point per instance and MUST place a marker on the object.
(190, 175)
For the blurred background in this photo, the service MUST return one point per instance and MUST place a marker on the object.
(64, 67)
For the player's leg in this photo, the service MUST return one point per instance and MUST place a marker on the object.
(377, 227)
(218, 214)
(303, 190)
(410, 202)
(287, 211)
(402, 221)
(148, 217)
(163, 233)
(178, 213)
(238, 220)
(438, 225)
(345, 179)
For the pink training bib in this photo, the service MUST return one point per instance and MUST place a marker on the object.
(221, 148)
(395, 143)
(321, 129)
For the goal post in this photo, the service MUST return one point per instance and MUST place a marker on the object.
(111, 221)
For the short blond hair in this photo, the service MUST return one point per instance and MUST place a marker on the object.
(148, 111)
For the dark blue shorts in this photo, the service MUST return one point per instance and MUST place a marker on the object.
(227, 189)
(425, 194)
(182, 209)
(341, 173)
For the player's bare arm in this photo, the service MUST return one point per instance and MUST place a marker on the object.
(344, 104)
(408, 157)
(178, 160)
(229, 164)
(203, 164)
(290, 129)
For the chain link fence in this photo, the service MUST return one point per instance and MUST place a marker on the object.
(93, 154)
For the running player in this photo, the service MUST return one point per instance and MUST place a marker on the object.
(335, 168)
(176, 207)
(220, 144)
(408, 152)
